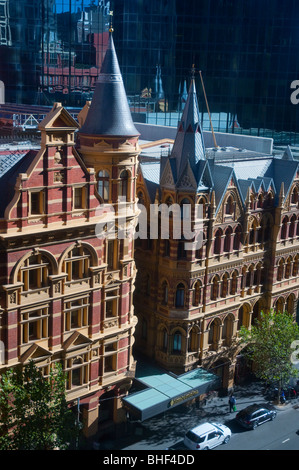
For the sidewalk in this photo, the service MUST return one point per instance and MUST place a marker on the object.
(160, 432)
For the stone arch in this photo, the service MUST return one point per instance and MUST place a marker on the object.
(228, 233)
(217, 241)
(228, 326)
(215, 287)
(193, 338)
(290, 304)
(229, 203)
(180, 294)
(214, 332)
(52, 260)
(284, 228)
(84, 245)
(244, 314)
(197, 292)
(280, 305)
(225, 285)
(178, 339)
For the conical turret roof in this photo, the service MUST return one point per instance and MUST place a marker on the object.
(109, 112)
(189, 145)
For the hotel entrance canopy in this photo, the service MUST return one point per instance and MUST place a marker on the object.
(165, 390)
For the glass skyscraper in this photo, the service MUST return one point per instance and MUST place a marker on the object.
(247, 50)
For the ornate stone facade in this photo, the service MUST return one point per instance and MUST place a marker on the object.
(66, 292)
(191, 304)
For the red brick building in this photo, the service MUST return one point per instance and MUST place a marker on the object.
(66, 293)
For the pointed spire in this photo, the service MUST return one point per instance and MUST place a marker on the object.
(109, 112)
(189, 143)
(288, 155)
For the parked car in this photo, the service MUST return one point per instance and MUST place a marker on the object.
(206, 436)
(254, 415)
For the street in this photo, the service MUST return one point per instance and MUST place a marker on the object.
(280, 434)
(167, 432)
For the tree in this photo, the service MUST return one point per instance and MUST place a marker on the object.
(269, 347)
(34, 414)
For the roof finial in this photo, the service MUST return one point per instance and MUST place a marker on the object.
(193, 71)
(111, 23)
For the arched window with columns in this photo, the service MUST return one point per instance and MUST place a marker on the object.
(180, 296)
(217, 242)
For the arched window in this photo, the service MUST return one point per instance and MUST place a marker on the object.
(103, 185)
(288, 269)
(237, 238)
(260, 201)
(34, 272)
(77, 263)
(295, 266)
(217, 242)
(214, 288)
(229, 206)
(280, 270)
(123, 187)
(227, 328)
(224, 287)
(284, 228)
(193, 340)
(227, 240)
(292, 226)
(249, 276)
(196, 300)
(252, 233)
(177, 342)
(180, 296)
(213, 332)
(294, 197)
(234, 283)
(280, 305)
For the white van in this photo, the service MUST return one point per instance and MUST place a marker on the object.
(206, 436)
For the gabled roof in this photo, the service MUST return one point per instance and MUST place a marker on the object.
(109, 113)
(58, 118)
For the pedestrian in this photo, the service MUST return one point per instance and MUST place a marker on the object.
(232, 403)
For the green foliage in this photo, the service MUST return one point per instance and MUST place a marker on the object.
(269, 347)
(33, 410)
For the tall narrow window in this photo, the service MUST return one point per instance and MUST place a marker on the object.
(103, 185)
(180, 296)
(123, 189)
(177, 342)
(79, 198)
(36, 202)
(110, 254)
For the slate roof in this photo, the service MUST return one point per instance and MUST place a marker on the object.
(109, 113)
(8, 178)
(214, 168)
